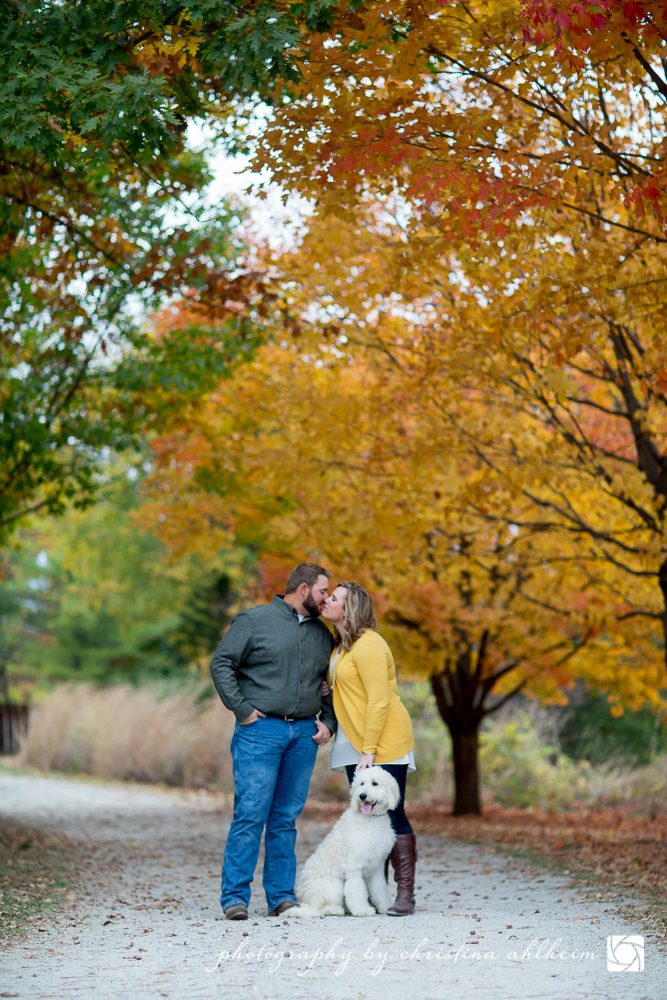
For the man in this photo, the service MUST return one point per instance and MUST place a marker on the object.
(268, 670)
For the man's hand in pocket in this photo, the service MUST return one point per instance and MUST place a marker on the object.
(253, 717)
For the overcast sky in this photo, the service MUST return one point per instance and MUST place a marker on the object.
(270, 219)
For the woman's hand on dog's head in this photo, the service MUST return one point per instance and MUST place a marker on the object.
(365, 760)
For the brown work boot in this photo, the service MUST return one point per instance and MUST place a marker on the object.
(237, 911)
(286, 904)
(404, 861)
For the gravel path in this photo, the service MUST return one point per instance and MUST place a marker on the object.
(147, 922)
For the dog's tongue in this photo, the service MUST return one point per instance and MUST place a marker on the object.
(366, 808)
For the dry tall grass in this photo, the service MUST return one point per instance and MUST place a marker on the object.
(181, 736)
(153, 734)
(178, 736)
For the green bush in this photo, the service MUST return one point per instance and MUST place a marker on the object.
(589, 731)
(520, 768)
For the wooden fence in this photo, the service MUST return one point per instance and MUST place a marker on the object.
(13, 726)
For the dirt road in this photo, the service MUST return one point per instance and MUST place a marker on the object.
(146, 920)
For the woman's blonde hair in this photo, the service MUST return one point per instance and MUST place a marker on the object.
(359, 614)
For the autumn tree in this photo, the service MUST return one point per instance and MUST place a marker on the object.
(322, 455)
(488, 235)
(477, 362)
(507, 164)
(479, 122)
(488, 250)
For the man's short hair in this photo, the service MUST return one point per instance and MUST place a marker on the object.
(305, 573)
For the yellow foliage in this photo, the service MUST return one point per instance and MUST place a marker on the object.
(464, 404)
(309, 456)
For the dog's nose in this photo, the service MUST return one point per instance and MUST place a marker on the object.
(363, 795)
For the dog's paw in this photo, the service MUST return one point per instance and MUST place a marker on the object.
(366, 911)
(302, 911)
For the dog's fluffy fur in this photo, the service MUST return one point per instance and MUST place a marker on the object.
(348, 866)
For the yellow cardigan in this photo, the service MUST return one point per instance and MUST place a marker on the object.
(366, 699)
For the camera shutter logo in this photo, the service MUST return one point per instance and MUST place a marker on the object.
(625, 953)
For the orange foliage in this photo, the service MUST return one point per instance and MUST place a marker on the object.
(306, 458)
(464, 402)
(480, 115)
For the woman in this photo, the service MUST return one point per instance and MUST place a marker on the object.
(373, 724)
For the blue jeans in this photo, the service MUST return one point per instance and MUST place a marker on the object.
(273, 761)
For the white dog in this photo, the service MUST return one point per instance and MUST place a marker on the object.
(348, 866)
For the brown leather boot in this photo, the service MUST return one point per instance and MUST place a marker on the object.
(404, 861)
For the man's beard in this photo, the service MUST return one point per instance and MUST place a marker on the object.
(311, 607)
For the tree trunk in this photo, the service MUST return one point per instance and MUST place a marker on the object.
(465, 744)
(662, 577)
(463, 721)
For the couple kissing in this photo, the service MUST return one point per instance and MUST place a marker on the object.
(292, 684)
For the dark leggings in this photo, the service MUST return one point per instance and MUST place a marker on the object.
(399, 820)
